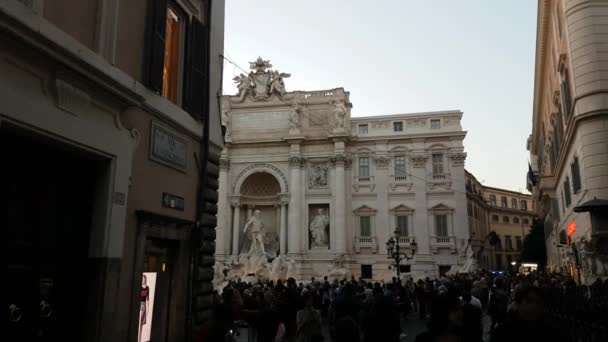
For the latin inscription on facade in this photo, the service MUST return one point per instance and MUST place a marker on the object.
(168, 148)
(260, 120)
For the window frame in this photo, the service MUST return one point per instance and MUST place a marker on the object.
(396, 162)
(568, 197)
(495, 218)
(444, 216)
(438, 121)
(397, 124)
(438, 162)
(506, 219)
(524, 205)
(360, 166)
(185, 17)
(406, 219)
(575, 171)
(369, 225)
(504, 201)
(514, 203)
(493, 200)
(360, 129)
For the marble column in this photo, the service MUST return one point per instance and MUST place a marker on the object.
(295, 207)
(283, 228)
(222, 244)
(340, 203)
(236, 228)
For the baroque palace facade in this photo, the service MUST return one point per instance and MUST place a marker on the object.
(328, 186)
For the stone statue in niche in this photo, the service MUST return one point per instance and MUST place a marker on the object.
(294, 119)
(319, 227)
(255, 228)
(339, 116)
(318, 176)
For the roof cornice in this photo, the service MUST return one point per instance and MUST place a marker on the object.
(541, 33)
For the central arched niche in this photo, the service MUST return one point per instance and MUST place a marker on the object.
(260, 191)
(260, 184)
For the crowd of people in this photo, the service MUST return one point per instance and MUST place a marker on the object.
(518, 308)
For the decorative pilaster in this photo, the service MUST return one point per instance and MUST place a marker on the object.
(283, 227)
(235, 227)
(458, 158)
(294, 245)
(222, 245)
(339, 162)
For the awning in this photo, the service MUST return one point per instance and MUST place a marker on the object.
(592, 205)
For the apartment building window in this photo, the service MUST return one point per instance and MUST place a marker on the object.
(366, 272)
(441, 225)
(576, 176)
(400, 172)
(518, 243)
(435, 123)
(364, 167)
(526, 221)
(524, 205)
(514, 203)
(508, 242)
(516, 220)
(503, 202)
(398, 126)
(505, 219)
(402, 225)
(365, 226)
(176, 67)
(493, 200)
(363, 129)
(437, 163)
(567, 191)
(565, 91)
(494, 218)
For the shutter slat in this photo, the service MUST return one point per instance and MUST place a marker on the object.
(196, 81)
(155, 44)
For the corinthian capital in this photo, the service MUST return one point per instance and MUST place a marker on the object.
(418, 160)
(224, 164)
(296, 161)
(381, 162)
(458, 158)
(338, 160)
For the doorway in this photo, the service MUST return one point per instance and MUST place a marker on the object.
(156, 290)
(49, 188)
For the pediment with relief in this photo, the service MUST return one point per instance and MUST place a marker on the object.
(365, 210)
(402, 208)
(441, 207)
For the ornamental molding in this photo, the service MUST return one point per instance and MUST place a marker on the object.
(338, 160)
(296, 161)
(419, 160)
(458, 158)
(224, 164)
(395, 185)
(382, 162)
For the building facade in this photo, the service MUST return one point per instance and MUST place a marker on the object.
(569, 141)
(510, 215)
(113, 138)
(499, 221)
(328, 185)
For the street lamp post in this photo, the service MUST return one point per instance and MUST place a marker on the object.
(394, 251)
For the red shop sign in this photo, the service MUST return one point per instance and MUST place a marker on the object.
(571, 228)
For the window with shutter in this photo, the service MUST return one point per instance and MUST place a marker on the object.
(437, 164)
(567, 191)
(576, 176)
(400, 173)
(155, 44)
(402, 225)
(196, 80)
(441, 225)
(565, 90)
(365, 229)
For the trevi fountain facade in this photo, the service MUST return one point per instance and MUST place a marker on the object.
(306, 190)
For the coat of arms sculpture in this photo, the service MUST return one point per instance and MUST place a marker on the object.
(260, 83)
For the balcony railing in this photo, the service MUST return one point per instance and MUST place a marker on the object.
(365, 242)
(443, 242)
(400, 178)
(404, 241)
(364, 179)
(440, 176)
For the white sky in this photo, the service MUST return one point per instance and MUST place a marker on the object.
(404, 56)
